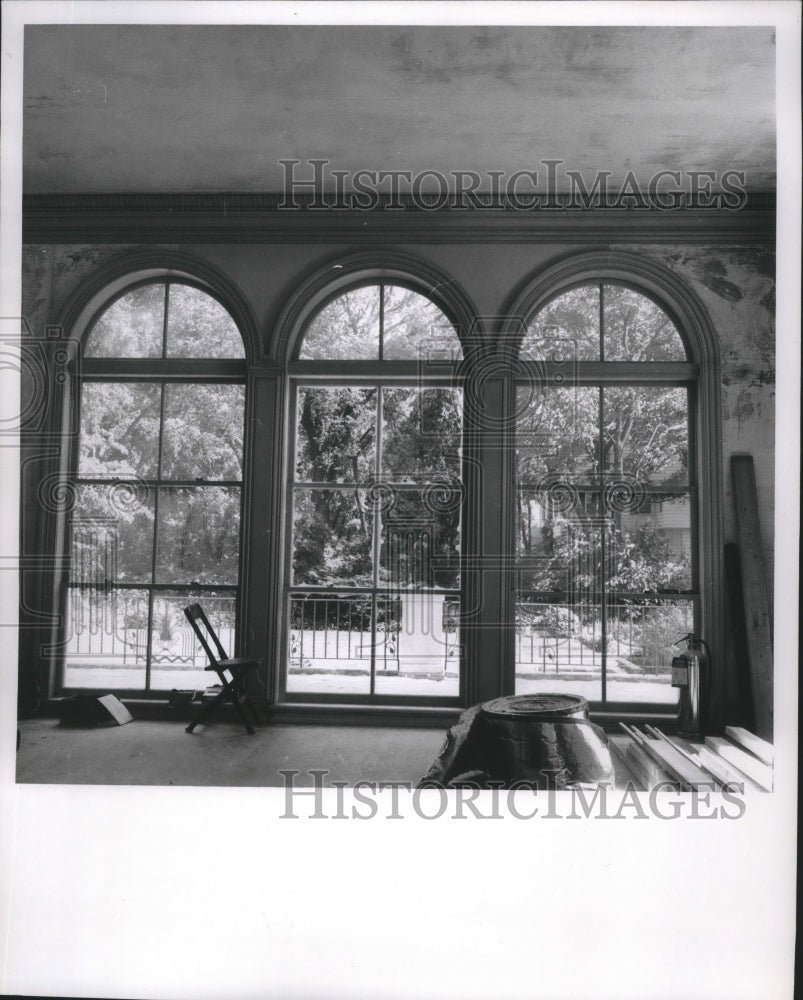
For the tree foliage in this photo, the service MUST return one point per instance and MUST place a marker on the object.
(360, 323)
(133, 326)
(337, 443)
(198, 525)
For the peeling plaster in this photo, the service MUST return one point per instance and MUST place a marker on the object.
(737, 286)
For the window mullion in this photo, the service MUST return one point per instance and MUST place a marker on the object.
(603, 546)
(155, 544)
(164, 322)
(602, 322)
(377, 527)
(382, 321)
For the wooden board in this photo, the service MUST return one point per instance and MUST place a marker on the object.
(678, 766)
(723, 772)
(629, 771)
(650, 773)
(756, 596)
(741, 760)
(758, 747)
(738, 695)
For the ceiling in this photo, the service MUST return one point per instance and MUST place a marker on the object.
(146, 109)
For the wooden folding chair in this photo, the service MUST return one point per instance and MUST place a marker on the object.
(232, 690)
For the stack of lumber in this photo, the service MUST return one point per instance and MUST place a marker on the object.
(739, 758)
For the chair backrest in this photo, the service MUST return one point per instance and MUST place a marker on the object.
(206, 634)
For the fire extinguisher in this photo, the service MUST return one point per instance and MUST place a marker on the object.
(689, 672)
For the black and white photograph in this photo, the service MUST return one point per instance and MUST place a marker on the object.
(400, 448)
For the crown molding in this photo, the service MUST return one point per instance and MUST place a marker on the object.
(263, 218)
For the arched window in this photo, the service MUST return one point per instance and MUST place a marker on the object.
(155, 522)
(607, 577)
(374, 499)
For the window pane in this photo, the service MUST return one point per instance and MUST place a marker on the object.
(636, 329)
(418, 645)
(112, 534)
(198, 535)
(650, 549)
(347, 328)
(330, 643)
(559, 551)
(568, 325)
(558, 648)
(335, 435)
(414, 327)
(332, 538)
(199, 327)
(641, 644)
(646, 435)
(557, 436)
(131, 327)
(203, 432)
(421, 434)
(421, 539)
(177, 658)
(106, 638)
(119, 430)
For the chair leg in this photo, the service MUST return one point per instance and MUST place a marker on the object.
(252, 710)
(239, 709)
(206, 711)
(231, 691)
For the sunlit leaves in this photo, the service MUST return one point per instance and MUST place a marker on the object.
(199, 327)
(374, 321)
(628, 327)
(203, 431)
(133, 326)
(569, 325)
(119, 430)
(346, 328)
(636, 329)
(414, 327)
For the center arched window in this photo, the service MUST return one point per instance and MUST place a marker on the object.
(374, 499)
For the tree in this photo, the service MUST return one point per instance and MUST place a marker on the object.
(333, 528)
(591, 459)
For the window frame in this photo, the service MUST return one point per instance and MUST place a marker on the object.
(374, 373)
(601, 374)
(701, 373)
(162, 371)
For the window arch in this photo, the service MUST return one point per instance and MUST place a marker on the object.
(379, 321)
(163, 319)
(617, 538)
(372, 587)
(156, 484)
(605, 321)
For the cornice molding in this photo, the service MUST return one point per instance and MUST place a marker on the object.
(259, 218)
